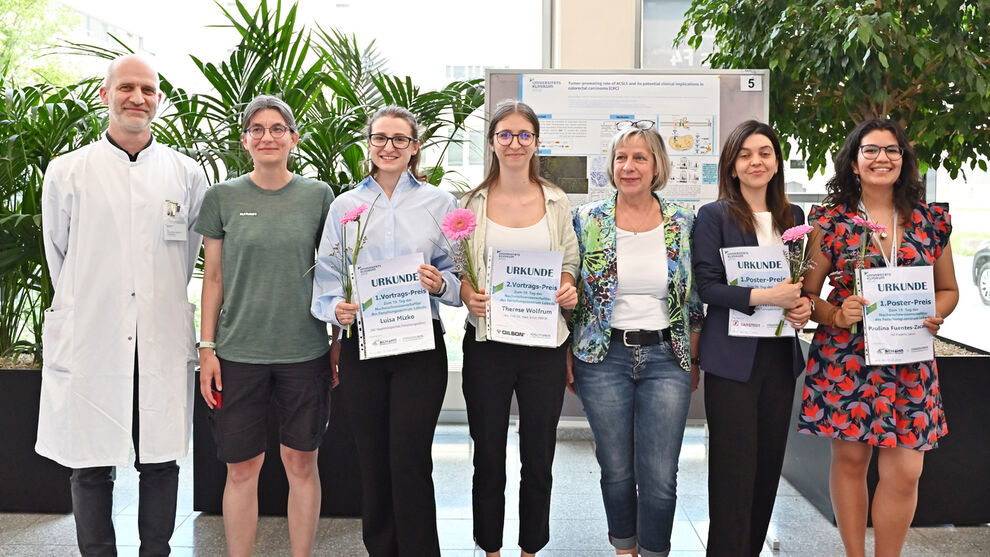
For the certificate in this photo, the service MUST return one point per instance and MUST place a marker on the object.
(757, 267)
(523, 287)
(395, 315)
(894, 322)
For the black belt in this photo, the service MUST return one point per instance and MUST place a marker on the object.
(640, 337)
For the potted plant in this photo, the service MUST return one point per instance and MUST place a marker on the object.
(331, 84)
(39, 123)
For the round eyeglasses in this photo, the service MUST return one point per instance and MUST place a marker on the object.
(380, 140)
(525, 138)
(639, 124)
(871, 152)
(257, 132)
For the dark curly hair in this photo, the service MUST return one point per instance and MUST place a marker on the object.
(844, 189)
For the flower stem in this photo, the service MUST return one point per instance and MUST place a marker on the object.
(469, 264)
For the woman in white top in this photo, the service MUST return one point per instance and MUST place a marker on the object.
(635, 338)
(516, 209)
(749, 381)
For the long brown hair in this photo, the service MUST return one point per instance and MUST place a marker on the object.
(503, 109)
(395, 111)
(844, 188)
(729, 189)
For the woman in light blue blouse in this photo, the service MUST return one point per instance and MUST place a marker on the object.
(393, 402)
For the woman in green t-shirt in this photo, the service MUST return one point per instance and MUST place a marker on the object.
(259, 341)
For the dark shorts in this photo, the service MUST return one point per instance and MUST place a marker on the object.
(301, 392)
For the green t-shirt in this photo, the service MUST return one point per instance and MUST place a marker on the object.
(269, 243)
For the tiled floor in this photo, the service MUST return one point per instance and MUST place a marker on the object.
(577, 528)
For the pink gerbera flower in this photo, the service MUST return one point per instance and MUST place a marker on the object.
(796, 233)
(458, 224)
(353, 214)
(876, 227)
(858, 220)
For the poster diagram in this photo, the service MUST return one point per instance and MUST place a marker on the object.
(693, 180)
(688, 135)
(580, 113)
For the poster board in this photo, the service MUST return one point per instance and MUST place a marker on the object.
(694, 111)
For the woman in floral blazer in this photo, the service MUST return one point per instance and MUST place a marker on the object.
(636, 328)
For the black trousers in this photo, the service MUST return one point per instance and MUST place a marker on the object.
(747, 425)
(92, 501)
(492, 372)
(393, 404)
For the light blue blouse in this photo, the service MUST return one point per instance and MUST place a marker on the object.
(396, 226)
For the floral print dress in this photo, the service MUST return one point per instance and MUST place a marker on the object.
(886, 406)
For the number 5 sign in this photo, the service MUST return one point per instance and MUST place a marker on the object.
(751, 82)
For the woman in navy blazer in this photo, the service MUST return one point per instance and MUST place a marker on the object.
(749, 381)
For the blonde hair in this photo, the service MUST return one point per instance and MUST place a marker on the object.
(653, 140)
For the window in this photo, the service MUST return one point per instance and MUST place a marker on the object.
(662, 21)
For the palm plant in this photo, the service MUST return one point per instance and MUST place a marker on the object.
(331, 83)
(37, 123)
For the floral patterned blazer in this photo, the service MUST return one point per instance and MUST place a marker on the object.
(594, 224)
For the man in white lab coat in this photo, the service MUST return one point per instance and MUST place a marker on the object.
(118, 220)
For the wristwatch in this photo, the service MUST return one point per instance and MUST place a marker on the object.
(810, 301)
(443, 289)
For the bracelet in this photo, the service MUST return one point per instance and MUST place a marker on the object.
(205, 344)
(696, 360)
(443, 289)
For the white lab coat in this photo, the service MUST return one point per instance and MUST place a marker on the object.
(119, 286)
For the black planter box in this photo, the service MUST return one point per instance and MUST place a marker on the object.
(339, 472)
(29, 483)
(953, 488)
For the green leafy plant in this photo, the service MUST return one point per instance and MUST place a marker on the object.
(835, 63)
(331, 83)
(37, 123)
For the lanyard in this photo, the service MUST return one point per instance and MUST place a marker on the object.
(893, 239)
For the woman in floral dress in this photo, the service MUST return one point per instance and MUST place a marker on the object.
(897, 408)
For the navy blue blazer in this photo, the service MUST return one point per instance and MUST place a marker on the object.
(722, 355)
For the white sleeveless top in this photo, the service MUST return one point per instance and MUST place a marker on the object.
(641, 289)
(534, 237)
(765, 233)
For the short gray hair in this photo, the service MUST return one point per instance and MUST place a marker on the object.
(265, 102)
(654, 142)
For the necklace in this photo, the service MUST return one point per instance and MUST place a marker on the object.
(883, 236)
(642, 219)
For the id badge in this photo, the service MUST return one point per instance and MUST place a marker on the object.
(175, 222)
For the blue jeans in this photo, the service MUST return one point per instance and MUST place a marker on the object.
(637, 401)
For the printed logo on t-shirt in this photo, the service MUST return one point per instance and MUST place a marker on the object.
(248, 214)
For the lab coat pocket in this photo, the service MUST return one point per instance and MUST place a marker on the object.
(57, 339)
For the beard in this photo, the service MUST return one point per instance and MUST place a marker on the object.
(133, 124)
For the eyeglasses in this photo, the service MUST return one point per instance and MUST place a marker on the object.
(525, 138)
(871, 152)
(639, 124)
(257, 132)
(399, 142)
